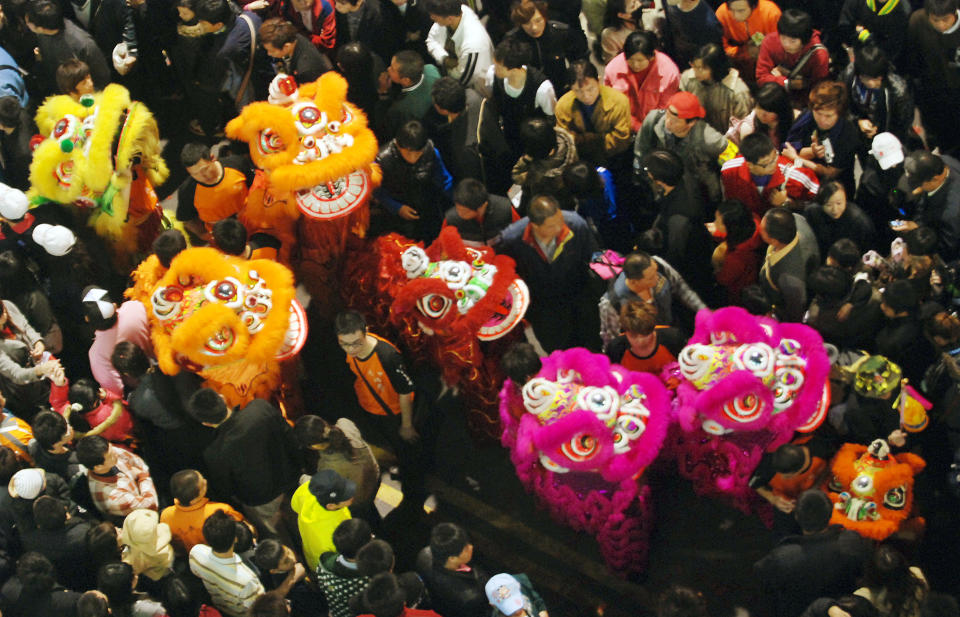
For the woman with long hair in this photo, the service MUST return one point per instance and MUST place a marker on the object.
(894, 587)
(719, 87)
(772, 114)
(622, 17)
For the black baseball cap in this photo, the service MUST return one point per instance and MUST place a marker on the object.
(330, 487)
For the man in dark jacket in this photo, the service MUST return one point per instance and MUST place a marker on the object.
(825, 561)
(552, 43)
(935, 180)
(363, 20)
(59, 40)
(791, 256)
(455, 582)
(16, 129)
(292, 52)
(477, 215)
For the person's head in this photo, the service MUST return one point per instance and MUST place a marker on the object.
(93, 603)
(49, 513)
(36, 574)
(520, 362)
(331, 490)
(230, 236)
(51, 430)
(9, 464)
(350, 536)
(737, 220)
(411, 141)
(640, 272)
(537, 137)
(620, 12)
(406, 68)
(46, 15)
(871, 65)
(889, 570)
(185, 11)
(178, 598)
(448, 96)
(278, 37)
(710, 63)
(208, 407)
(942, 14)
(383, 596)
(273, 556)
(129, 360)
(813, 511)
(640, 49)
(681, 602)
(582, 180)
(664, 168)
(168, 245)
(212, 15)
(351, 329)
(760, 154)
(546, 218)
(741, 10)
(470, 199)
(926, 172)
(638, 320)
(220, 532)
(450, 546)
(505, 596)
(510, 54)
(683, 112)
(244, 541)
(790, 458)
(346, 7)
(73, 77)
(9, 113)
(829, 284)
(188, 486)
(584, 81)
(795, 28)
(833, 198)
(530, 16)
(103, 543)
(355, 61)
(200, 163)
(95, 453)
(778, 227)
(773, 108)
(116, 580)
(374, 557)
(845, 254)
(921, 241)
(86, 393)
(899, 298)
(828, 102)
(271, 604)
(444, 12)
(943, 329)
(755, 300)
(99, 309)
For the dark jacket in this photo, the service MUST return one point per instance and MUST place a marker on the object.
(499, 215)
(513, 111)
(65, 548)
(379, 35)
(305, 64)
(854, 224)
(414, 24)
(424, 186)
(70, 42)
(558, 44)
(941, 211)
(57, 603)
(887, 31)
(16, 153)
(893, 112)
(454, 592)
(686, 241)
(252, 456)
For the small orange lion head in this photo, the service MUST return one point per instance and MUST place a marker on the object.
(313, 143)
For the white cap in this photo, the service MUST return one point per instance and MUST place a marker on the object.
(503, 592)
(26, 483)
(13, 203)
(887, 150)
(57, 240)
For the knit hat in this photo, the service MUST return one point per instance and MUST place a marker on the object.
(56, 240)
(143, 531)
(330, 487)
(503, 593)
(13, 203)
(687, 105)
(887, 149)
(26, 483)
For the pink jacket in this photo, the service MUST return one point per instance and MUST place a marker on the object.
(662, 82)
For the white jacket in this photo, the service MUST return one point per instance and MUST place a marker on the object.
(473, 47)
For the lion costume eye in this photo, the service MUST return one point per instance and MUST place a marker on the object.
(269, 142)
(895, 498)
(434, 306)
(580, 448)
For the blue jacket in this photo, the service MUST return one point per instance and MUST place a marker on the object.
(11, 81)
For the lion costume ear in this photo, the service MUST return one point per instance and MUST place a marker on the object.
(329, 92)
(270, 132)
(915, 462)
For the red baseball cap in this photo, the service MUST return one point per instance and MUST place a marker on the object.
(687, 105)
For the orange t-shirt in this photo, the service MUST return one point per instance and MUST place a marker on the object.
(186, 522)
(383, 372)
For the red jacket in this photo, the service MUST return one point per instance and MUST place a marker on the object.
(661, 82)
(741, 266)
(772, 55)
(802, 184)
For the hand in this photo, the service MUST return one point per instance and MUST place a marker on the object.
(844, 312)
(408, 213)
(897, 438)
(836, 611)
(38, 349)
(790, 152)
(58, 376)
(783, 504)
(256, 5)
(450, 63)
(935, 279)
(797, 83)
(298, 572)
(819, 150)
(778, 197)
(869, 129)
(711, 228)
(903, 226)
(408, 433)
(779, 71)
(384, 82)
(46, 369)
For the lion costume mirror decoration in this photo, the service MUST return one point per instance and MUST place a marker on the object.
(103, 154)
(746, 384)
(580, 433)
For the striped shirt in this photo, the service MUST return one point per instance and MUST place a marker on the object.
(231, 584)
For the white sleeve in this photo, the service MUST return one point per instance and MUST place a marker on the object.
(436, 39)
(489, 78)
(546, 98)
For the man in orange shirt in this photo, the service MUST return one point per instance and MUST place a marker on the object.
(745, 24)
(213, 192)
(191, 508)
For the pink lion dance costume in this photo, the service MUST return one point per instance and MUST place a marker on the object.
(747, 383)
(580, 434)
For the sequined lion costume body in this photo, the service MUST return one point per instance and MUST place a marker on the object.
(872, 489)
(746, 385)
(315, 158)
(230, 320)
(580, 433)
(103, 155)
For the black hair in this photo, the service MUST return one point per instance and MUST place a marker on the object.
(449, 95)
(412, 136)
(9, 464)
(542, 207)
(738, 220)
(92, 450)
(244, 537)
(70, 73)
(230, 236)
(179, 598)
(755, 146)
(86, 393)
(846, 253)
(889, 570)
(788, 458)
(871, 61)
(207, 407)
(581, 179)
(383, 596)
(537, 137)
(443, 8)
(664, 166)
(830, 284)
(271, 604)
(447, 540)
(194, 152)
(681, 602)
(350, 536)
(355, 63)
(36, 574)
(512, 53)
(102, 543)
(900, 295)
(220, 531)
(827, 190)
(168, 245)
(937, 8)
(773, 97)
(49, 427)
(49, 513)
(268, 554)
(636, 264)
(714, 57)
(45, 14)
(348, 322)
(91, 310)
(185, 485)
(520, 362)
(921, 241)
(213, 11)
(129, 359)
(796, 24)
(755, 300)
(580, 70)
(813, 511)
(470, 193)
(410, 64)
(780, 225)
(642, 42)
(374, 557)
(115, 580)
(10, 112)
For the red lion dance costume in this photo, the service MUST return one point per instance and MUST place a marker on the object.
(580, 434)
(450, 303)
(747, 383)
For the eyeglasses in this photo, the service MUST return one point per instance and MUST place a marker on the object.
(352, 344)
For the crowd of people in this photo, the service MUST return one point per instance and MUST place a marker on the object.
(639, 163)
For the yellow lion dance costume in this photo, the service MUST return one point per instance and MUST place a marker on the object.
(103, 154)
(315, 157)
